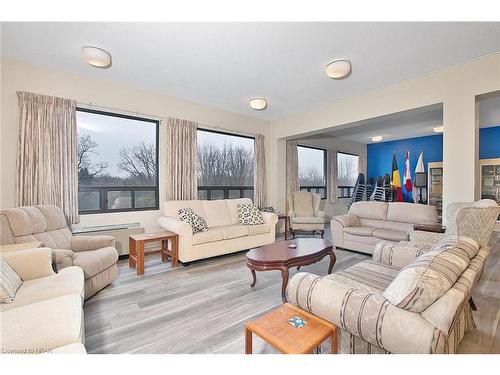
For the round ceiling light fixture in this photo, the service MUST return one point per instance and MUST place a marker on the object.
(438, 129)
(259, 104)
(377, 138)
(339, 69)
(96, 56)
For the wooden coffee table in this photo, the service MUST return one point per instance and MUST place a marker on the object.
(278, 256)
(274, 329)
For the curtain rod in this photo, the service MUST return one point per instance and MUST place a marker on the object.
(141, 114)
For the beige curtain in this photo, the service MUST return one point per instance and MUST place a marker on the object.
(46, 156)
(181, 159)
(333, 187)
(259, 171)
(292, 169)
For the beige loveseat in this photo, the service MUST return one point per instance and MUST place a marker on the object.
(46, 314)
(46, 225)
(225, 235)
(368, 223)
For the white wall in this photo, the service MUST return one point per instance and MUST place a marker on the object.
(20, 76)
(456, 87)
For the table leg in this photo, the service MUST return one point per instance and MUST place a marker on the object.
(131, 253)
(333, 259)
(140, 258)
(164, 248)
(286, 228)
(248, 341)
(334, 343)
(254, 277)
(175, 251)
(284, 275)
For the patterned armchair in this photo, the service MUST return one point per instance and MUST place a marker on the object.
(305, 214)
(360, 299)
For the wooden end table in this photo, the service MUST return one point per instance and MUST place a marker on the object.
(279, 256)
(287, 220)
(433, 228)
(274, 329)
(136, 248)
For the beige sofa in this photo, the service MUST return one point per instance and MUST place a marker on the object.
(225, 235)
(368, 223)
(46, 224)
(46, 314)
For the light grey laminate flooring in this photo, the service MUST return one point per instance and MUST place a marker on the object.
(202, 308)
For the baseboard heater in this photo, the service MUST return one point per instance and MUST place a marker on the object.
(120, 232)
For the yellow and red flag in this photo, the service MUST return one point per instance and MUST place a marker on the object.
(396, 180)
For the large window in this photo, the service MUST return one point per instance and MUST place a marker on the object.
(225, 165)
(117, 159)
(312, 169)
(347, 173)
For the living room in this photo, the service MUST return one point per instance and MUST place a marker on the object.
(250, 187)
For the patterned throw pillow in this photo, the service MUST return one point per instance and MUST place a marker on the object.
(427, 278)
(197, 223)
(249, 214)
(10, 282)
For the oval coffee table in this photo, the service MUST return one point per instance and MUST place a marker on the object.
(278, 256)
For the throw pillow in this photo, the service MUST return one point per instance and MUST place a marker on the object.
(249, 214)
(427, 278)
(197, 223)
(10, 282)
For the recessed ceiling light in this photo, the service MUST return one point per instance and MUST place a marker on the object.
(438, 129)
(96, 56)
(377, 138)
(258, 104)
(338, 69)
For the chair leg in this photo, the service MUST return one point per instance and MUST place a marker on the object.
(322, 232)
(472, 304)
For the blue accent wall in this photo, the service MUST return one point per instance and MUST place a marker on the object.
(379, 155)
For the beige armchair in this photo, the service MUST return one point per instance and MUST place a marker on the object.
(305, 214)
(95, 255)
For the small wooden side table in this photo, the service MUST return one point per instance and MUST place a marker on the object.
(136, 248)
(274, 329)
(433, 228)
(287, 219)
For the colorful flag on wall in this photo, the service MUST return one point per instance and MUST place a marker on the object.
(418, 169)
(408, 182)
(396, 180)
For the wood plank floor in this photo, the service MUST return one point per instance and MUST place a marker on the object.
(203, 308)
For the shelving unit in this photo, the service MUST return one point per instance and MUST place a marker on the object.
(490, 179)
(435, 187)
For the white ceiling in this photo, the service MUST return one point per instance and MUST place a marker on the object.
(408, 124)
(222, 65)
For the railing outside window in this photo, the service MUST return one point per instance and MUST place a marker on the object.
(318, 189)
(224, 192)
(342, 191)
(345, 191)
(101, 199)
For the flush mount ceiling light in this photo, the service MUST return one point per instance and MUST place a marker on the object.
(377, 138)
(338, 69)
(438, 129)
(96, 56)
(258, 104)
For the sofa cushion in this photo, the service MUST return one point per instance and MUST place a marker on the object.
(412, 213)
(310, 220)
(95, 261)
(216, 213)
(254, 230)
(427, 278)
(360, 231)
(67, 281)
(43, 325)
(303, 204)
(391, 235)
(195, 221)
(212, 235)
(369, 210)
(234, 231)
(10, 282)
(249, 214)
(171, 208)
(377, 276)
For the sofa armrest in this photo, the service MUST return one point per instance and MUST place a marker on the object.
(176, 226)
(398, 254)
(62, 258)
(270, 218)
(20, 246)
(362, 312)
(347, 220)
(86, 243)
(31, 264)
